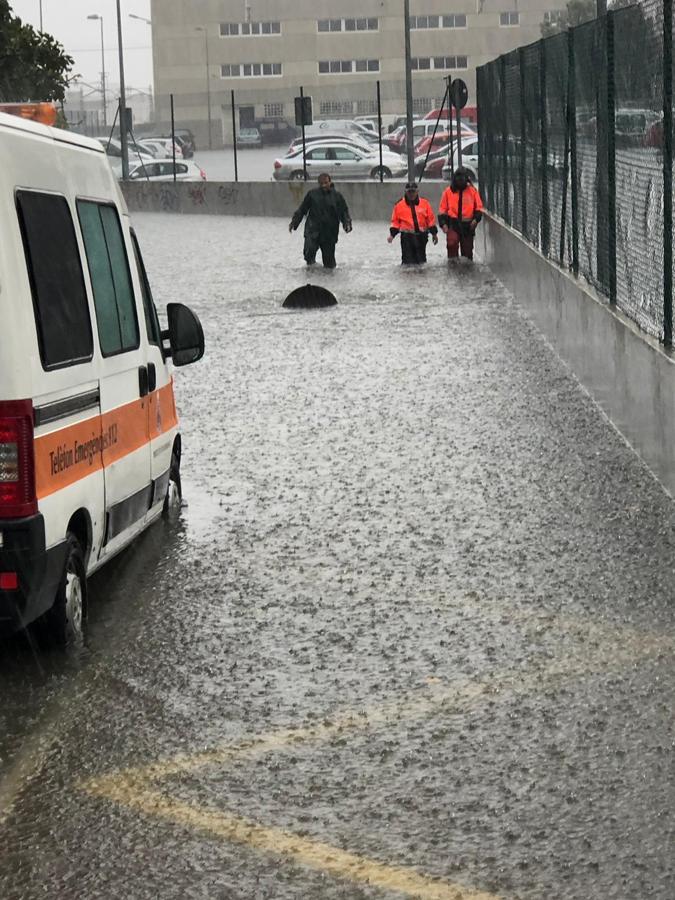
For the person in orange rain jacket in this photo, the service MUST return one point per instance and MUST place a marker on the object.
(460, 212)
(414, 219)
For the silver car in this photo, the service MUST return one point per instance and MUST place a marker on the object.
(339, 159)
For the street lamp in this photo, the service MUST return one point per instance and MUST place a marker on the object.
(41, 29)
(123, 99)
(95, 17)
(151, 95)
(208, 81)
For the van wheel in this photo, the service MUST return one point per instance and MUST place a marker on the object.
(376, 172)
(297, 176)
(174, 492)
(64, 622)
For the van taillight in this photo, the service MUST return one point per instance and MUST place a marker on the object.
(17, 460)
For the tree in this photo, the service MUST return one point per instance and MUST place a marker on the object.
(575, 13)
(33, 66)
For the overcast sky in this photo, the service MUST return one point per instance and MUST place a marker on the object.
(67, 21)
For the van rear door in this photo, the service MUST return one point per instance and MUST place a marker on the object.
(124, 380)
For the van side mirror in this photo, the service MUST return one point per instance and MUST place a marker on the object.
(185, 335)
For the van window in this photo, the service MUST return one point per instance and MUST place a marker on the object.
(151, 318)
(56, 278)
(110, 278)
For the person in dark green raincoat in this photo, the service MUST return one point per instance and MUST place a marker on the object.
(325, 208)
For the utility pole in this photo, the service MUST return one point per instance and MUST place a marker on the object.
(408, 92)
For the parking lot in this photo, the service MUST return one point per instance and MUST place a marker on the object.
(412, 635)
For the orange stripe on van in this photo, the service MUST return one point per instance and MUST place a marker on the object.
(69, 454)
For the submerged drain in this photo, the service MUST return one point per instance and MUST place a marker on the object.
(309, 296)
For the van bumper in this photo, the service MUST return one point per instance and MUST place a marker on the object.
(39, 571)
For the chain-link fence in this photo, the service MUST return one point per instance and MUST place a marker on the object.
(576, 153)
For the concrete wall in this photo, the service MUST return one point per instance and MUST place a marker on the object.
(629, 374)
(367, 201)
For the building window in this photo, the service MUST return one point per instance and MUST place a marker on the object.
(234, 29)
(327, 25)
(456, 20)
(273, 110)
(366, 107)
(251, 70)
(452, 20)
(552, 16)
(424, 63)
(336, 108)
(347, 66)
(509, 19)
(423, 104)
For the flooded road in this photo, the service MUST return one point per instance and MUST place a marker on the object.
(412, 635)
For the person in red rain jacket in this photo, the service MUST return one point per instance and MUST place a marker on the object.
(460, 212)
(414, 219)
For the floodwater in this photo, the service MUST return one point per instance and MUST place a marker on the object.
(412, 635)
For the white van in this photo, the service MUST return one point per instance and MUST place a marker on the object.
(89, 442)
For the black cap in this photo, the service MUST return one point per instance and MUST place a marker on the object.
(411, 186)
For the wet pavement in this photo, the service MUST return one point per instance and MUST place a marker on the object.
(411, 637)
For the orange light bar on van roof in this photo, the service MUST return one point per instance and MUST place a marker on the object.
(44, 113)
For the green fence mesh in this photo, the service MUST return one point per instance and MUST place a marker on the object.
(575, 154)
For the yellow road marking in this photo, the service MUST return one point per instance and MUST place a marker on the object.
(414, 706)
(314, 855)
(134, 788)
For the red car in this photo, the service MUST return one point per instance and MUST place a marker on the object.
(442, 139)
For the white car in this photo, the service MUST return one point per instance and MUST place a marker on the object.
(353, 140)
(113, 149)
(162, 170)
(469, 161)
(340, 159)
(160, 148)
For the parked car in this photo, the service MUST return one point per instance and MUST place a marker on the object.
(397, 141)
(161, 148)
(162, 170)
(181, 141)
(187, 137)
(468, 114)
(353, 139)
(275, 131)
(368, 122)
(113, 149)
(249, 137)
(434, 165)
(469, 161)
(341, 126)
(338, 159)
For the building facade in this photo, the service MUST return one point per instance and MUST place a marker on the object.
(265, 50)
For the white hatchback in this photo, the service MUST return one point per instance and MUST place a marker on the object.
(163, 170)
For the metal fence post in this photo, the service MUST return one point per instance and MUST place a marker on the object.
(611, 157)
(545, 201)
(523, 143)
(572, 127)
(505, 171)
(601, 75)
(668, 172)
